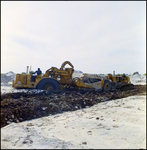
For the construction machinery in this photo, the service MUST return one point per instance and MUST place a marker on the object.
(59, 79)
(121, 82)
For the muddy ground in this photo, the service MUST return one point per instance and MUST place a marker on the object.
(21, 106)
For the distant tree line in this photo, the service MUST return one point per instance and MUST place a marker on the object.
(25, 72)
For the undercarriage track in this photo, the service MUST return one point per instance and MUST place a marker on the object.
(127, 87)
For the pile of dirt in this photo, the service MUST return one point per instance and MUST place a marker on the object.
(7, 78)
(136, 78)
(18, 107)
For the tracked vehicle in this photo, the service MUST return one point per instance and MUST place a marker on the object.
(121, 82)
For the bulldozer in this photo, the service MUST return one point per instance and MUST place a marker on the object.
(60, 79)
(121, 82)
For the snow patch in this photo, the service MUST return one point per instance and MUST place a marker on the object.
(78, 71)
(137, 78)
(44, 108)
(10, 73)
(7, 78)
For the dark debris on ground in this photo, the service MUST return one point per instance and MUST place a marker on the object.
(21, 106)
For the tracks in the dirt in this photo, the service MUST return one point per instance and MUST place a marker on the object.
(17, 107)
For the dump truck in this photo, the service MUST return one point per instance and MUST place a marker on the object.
(59, 79)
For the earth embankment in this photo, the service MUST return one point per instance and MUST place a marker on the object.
(21, 106)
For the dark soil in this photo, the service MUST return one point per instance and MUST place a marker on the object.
(18, 107)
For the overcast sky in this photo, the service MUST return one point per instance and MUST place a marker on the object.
(95, 36)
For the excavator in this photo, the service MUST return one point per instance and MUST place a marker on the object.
(60, 79)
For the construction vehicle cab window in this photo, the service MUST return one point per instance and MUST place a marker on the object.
(38, 72)
(60, 79)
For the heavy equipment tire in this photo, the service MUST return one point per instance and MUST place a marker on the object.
(48, 84)
(107, 85)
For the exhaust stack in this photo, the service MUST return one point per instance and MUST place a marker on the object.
(113, 73)
(27, 69)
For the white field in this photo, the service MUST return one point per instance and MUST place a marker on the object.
(114, 124)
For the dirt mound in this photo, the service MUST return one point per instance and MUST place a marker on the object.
(7, 78)
(17, 107)
(137, 78)
(78, 71)
(136, 73)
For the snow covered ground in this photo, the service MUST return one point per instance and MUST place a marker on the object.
(116, 124)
